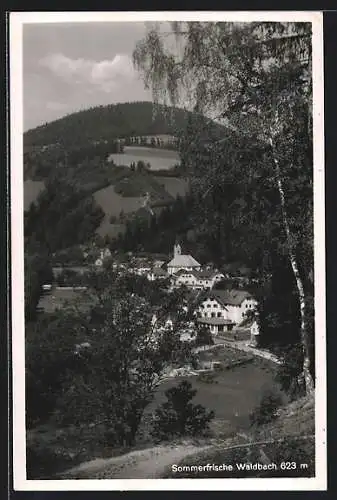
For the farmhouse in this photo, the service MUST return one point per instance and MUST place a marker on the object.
(221, 310)
(182, 262)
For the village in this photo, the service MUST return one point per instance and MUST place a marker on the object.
(227, 313)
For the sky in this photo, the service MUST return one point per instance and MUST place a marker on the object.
(69, 67)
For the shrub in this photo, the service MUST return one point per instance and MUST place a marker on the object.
(266, 411)
(204, 337)
(178, 416)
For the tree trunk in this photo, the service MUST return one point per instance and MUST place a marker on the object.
(306, 374)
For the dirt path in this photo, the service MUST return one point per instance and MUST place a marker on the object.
(141, 464)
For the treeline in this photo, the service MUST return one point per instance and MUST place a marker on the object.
(157, 233)
(62, 216)
(153, 142)
(40, 163)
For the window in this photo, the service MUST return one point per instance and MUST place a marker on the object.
(215, 304)
(219, 314)
(208, 305)
(212, 315)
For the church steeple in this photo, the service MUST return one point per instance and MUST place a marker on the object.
(177, 249)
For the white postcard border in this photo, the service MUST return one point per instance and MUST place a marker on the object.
(17, 19)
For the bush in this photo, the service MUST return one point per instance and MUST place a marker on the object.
(266, 411)
(178, 416)
(288, 373)
(204, 337)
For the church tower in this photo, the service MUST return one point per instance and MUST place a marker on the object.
(177, 250)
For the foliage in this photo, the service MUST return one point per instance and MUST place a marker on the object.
(255, 187)
(204, 336)
(139, 182)
(288, 374)
(38, 272)
(104, 123)
(178, 416)
(158, 233)
(50, 358)
(266, 411)
(58, 210)
(102, 365)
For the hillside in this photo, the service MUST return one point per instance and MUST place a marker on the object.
(84, 149)
(289, 438)
(107, 122)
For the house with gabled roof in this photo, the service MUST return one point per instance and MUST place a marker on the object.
(157, 273)
(198, 280)
(222, 310)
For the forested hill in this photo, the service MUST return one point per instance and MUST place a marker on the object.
(110, 122)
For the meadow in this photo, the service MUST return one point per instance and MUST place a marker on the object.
(232, 394)
(174, 186)
(159, 159)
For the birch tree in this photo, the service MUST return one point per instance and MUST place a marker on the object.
(256, 78)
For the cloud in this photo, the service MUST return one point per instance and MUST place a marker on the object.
(56, 106)
(103, 75)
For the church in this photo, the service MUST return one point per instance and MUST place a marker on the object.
(182, 262)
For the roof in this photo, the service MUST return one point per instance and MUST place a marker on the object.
(230, 297)
(215, 321)
(207, 274)
(200, 275)
(183, 261)
(158, 271)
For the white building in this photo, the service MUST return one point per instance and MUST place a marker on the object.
(157, 273)
(198, 280)
(221, 310)
(182, 262)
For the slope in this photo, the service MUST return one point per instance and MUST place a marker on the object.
(295, 426)
(108, 122)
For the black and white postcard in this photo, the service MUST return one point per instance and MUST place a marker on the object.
(168, 250)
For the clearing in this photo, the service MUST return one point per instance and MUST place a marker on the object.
(159, 159)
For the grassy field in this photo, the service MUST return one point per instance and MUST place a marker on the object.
(232, 395)
(159, 159)
(175, 186)
(113, 203)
